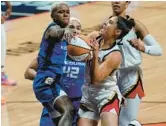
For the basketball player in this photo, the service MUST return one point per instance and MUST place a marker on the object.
(75, 27)
(4, 77)
(101, 98)
(72, 78)
(51, 59)
(130, 73)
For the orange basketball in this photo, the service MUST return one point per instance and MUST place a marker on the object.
(79, 48)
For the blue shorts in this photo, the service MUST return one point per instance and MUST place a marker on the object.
(47, 86)
(47, 90)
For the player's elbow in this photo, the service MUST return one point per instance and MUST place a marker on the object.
(29, 74)
(26, 75)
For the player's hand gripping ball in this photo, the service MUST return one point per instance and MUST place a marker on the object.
(79, 48)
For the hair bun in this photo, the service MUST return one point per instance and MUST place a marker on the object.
(130, 21)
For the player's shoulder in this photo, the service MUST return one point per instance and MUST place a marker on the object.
(53, 26)
(114, 59)
(51, 30)
(115, 55)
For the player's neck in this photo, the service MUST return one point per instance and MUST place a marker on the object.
(107, 44)
(123, 14)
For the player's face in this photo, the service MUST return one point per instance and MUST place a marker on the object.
(62, 15)
(75, 26)
(110, 30)
(119, 7)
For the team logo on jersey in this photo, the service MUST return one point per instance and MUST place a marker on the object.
(49, 80)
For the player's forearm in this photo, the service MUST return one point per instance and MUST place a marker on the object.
(151, 46)
(96, 74)
(141, 46)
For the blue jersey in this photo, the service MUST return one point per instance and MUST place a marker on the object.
(51, 57)
(52, 62)
(72, 80)
(52, 53)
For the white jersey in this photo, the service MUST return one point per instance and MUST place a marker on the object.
(111, 80)
(131, 56)
(129, 71)
(94, 98)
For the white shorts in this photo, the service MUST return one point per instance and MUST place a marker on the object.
(128, 77)
(97, 100)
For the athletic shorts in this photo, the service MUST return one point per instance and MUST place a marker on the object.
(135, 89)
(130, 82)
(97, 100)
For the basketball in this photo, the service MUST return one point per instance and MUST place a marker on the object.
(79, 48)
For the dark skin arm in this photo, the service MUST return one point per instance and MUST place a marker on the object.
(30, 72)
(58, 33)
(141, 29)
(54, 32)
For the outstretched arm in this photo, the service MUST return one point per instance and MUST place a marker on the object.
(57, 33)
